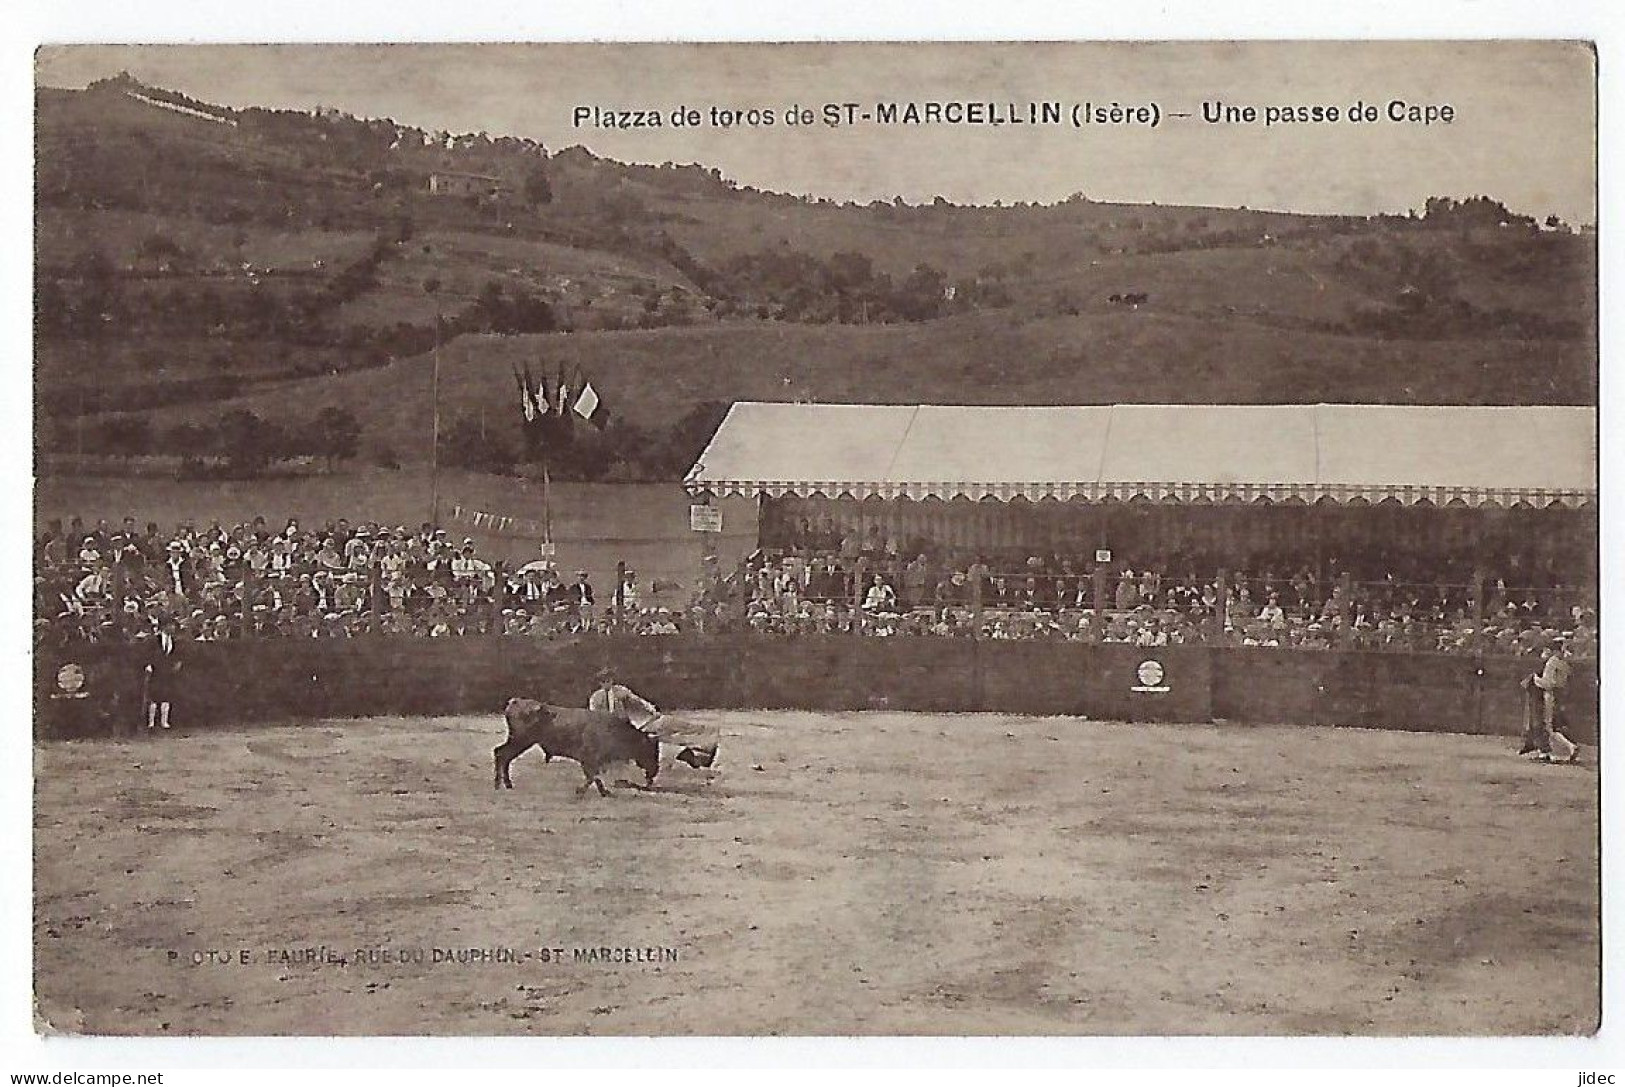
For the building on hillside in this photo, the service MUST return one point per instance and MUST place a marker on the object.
(447, 183)
(1202, 487)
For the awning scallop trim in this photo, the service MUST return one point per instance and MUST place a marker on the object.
(1540, 457)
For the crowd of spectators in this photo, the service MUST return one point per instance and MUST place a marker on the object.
(255, 579)
(1056, 597)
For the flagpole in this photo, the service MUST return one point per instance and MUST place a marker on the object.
(545, 409)
(434, 454)
(547, 502)
(432, 286)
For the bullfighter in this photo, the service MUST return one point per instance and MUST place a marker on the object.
(623, 702)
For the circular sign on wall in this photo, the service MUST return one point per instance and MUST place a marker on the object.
(70, 681)
(1151, 675)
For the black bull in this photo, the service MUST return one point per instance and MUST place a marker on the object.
(595, 740)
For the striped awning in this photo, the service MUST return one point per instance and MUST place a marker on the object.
(1196, 454)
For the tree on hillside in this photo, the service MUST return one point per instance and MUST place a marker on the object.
(849, 271)
(514, 311)
(538, 189)
(624, 452)
(920, 297)
(1471, 212)
(470, 443)
(248, 442)
(334, 435)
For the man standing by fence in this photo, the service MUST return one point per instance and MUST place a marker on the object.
(159, 677)
(1546, 722)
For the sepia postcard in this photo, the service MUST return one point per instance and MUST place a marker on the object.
(982, 539)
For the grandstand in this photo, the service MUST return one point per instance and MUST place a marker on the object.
(1234, 478)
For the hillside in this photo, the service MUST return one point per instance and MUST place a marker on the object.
(192, 258)
(652, 377)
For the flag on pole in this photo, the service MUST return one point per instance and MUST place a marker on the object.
(527, 404)
(543, 404)
(587, 402)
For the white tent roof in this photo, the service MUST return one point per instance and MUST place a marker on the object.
(1193, 453)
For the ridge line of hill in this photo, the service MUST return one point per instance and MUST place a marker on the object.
(186, 268)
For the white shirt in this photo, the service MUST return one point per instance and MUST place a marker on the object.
(622, 702)
(879, 596)
(1555, 676)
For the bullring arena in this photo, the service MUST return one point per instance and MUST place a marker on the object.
(846, 872)
(1195, 757)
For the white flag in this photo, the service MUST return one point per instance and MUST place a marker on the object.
(587, 402)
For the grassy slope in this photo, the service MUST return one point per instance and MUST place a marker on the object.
(961, 241)
(652, 376)
(210, 247)
(1223, 324)
(463, 263)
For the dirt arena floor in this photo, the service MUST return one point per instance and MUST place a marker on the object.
(834, 874)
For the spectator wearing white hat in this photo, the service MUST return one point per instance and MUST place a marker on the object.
(631, 595)
(329, 558)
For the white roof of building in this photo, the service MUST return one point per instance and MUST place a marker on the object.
(1188, 453)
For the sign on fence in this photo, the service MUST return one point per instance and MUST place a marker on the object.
(70, 682)
(1152, 678)
(705, 518)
